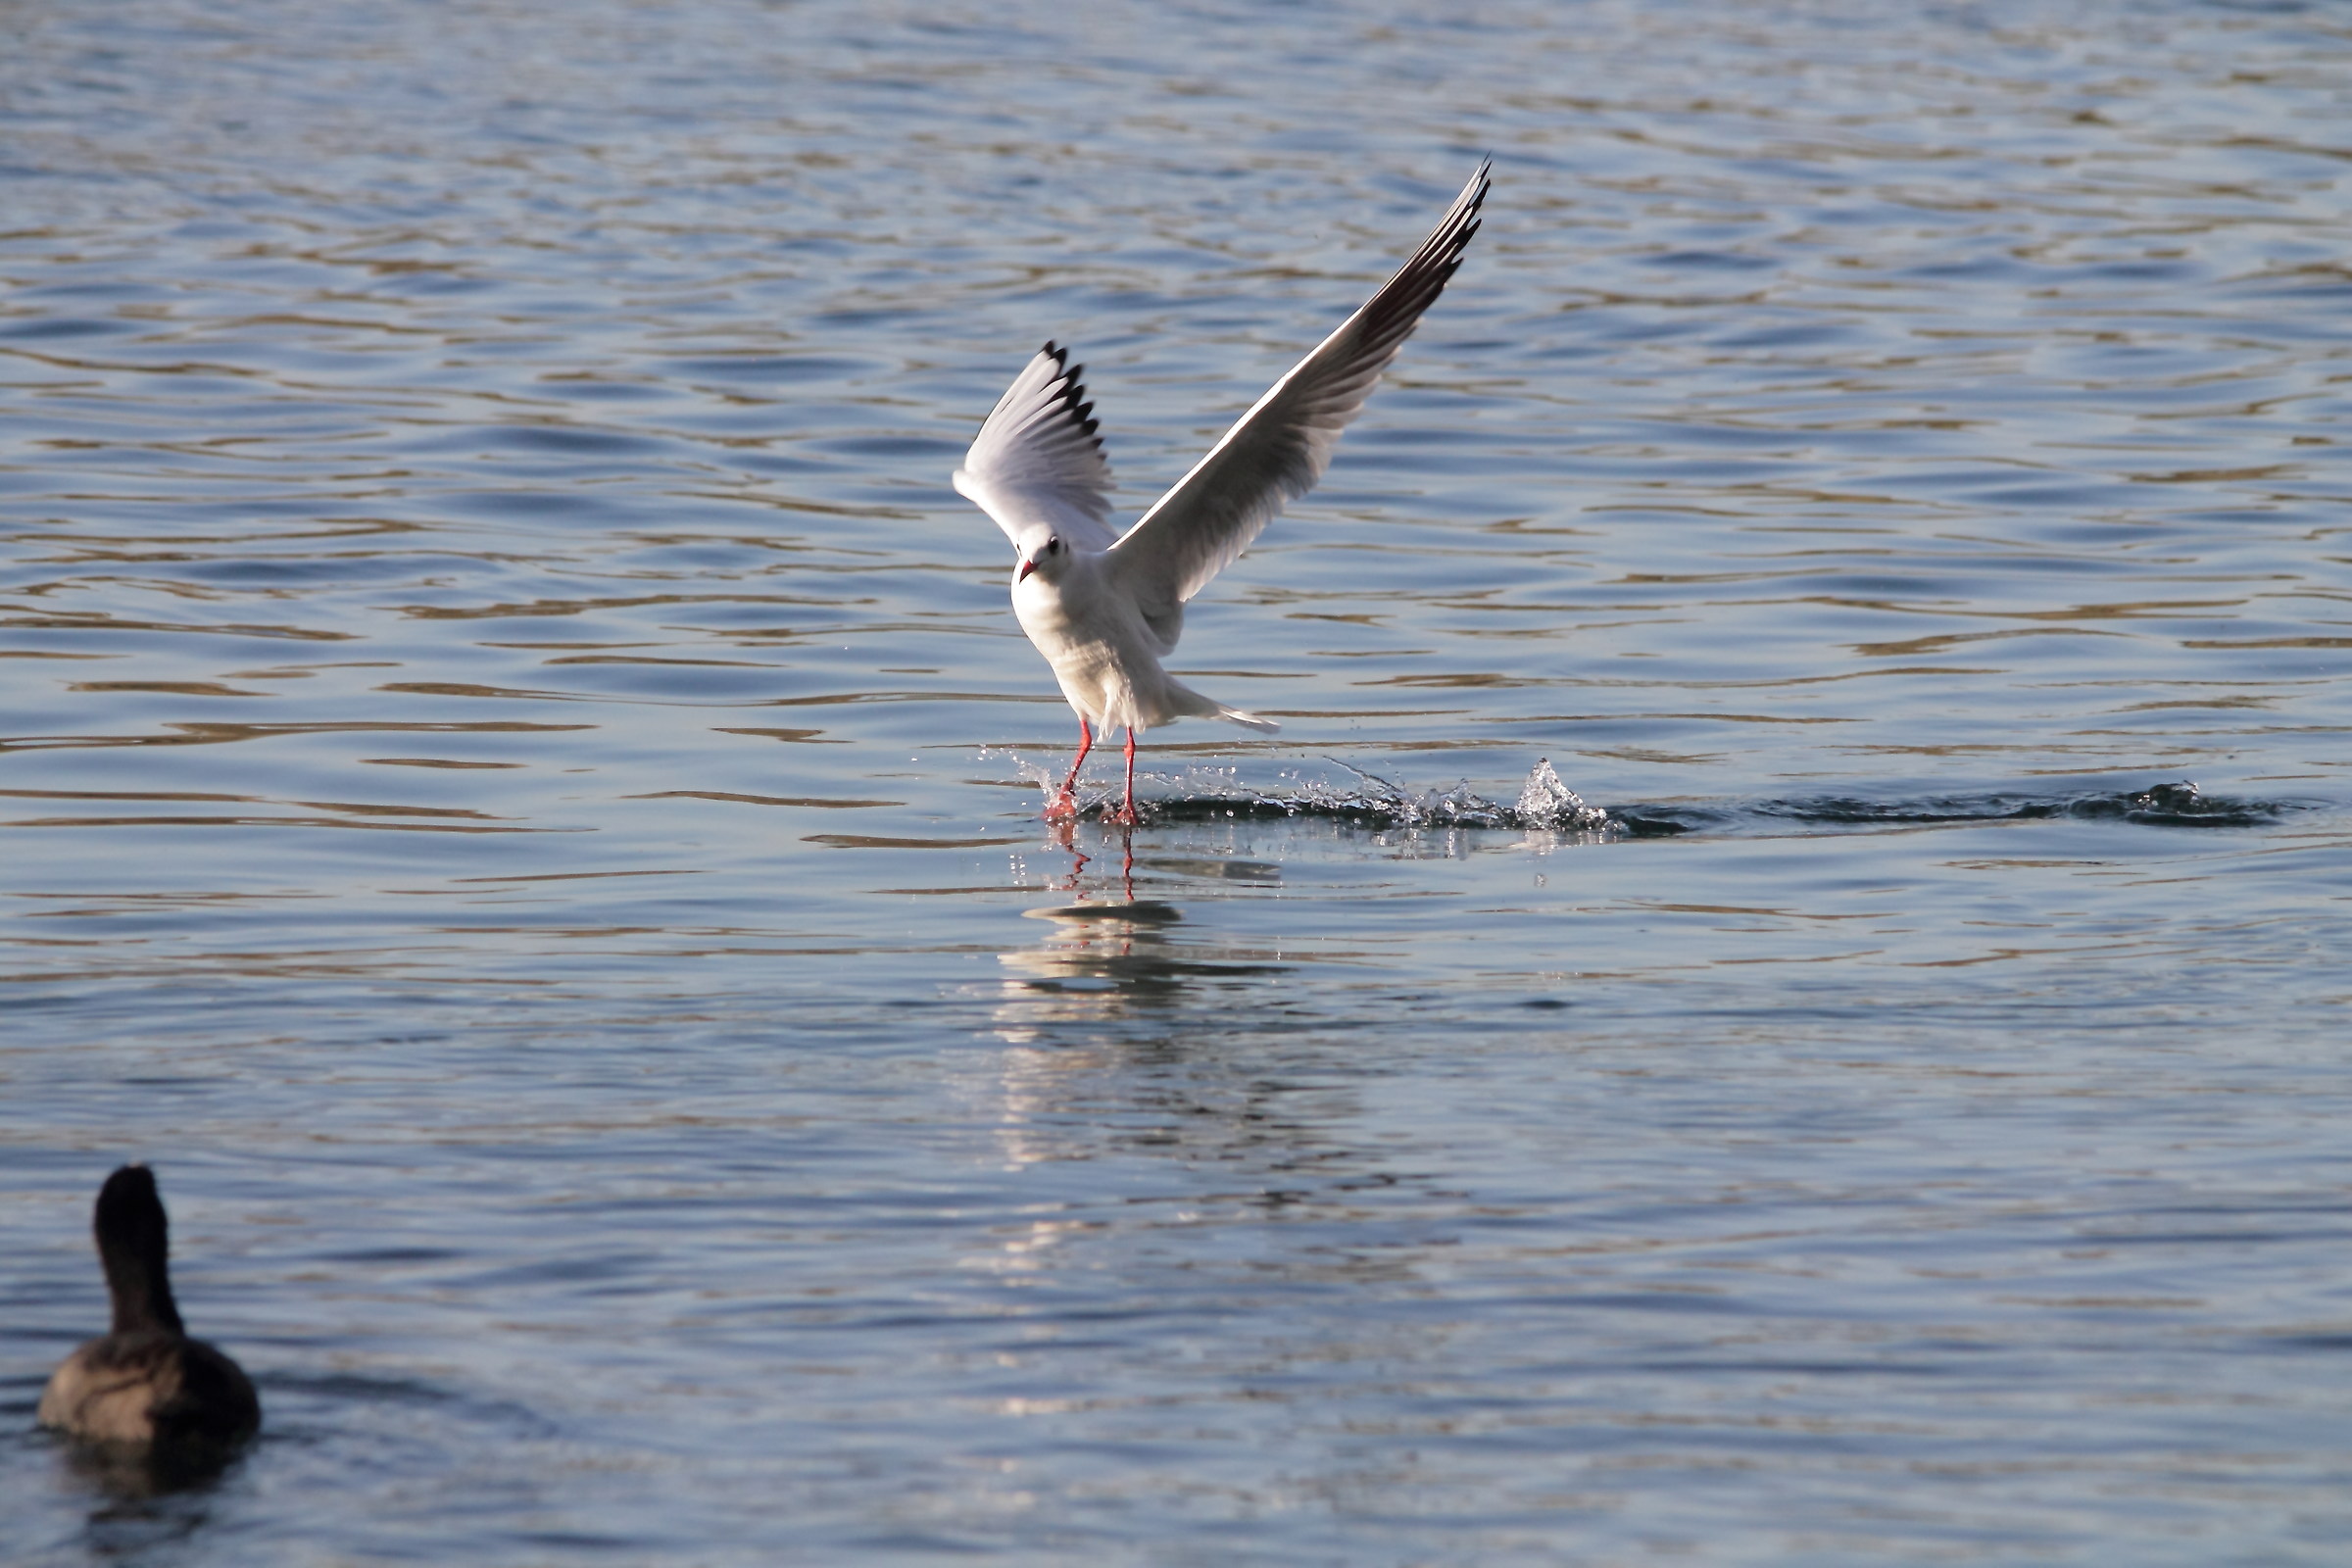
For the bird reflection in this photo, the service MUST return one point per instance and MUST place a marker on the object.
(143, 1505)
(1102, 960)
(1065, 839)
(1114, 1001)
(1111, 954)
(1144, 1034)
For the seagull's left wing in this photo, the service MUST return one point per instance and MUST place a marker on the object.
(1038, 458)
(1281, 447)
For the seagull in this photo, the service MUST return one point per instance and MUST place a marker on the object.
(1105, 608)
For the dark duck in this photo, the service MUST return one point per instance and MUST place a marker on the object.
(146, 1385)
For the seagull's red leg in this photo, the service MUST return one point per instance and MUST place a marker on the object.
(1127, 817)
(1065, 800)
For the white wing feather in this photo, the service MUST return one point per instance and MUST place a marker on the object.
(1281, 447)
(1036, 458)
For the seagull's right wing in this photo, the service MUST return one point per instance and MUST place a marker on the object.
(1038, 458)
(1283, 444)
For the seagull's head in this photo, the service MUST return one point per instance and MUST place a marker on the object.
(1043, 552)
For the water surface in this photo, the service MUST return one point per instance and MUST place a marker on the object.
(518, 780)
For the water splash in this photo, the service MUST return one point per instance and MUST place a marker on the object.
(1202, 794)
(1037, 773)
(1546, 803)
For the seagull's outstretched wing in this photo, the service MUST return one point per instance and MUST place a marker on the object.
(1281, 447)
(1038, 460)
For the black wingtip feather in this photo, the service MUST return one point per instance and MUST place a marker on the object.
(1391, 314)
(1073, 395)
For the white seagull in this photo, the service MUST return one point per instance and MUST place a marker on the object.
(1105, 608)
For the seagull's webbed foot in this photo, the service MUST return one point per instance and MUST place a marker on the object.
(1125, 815)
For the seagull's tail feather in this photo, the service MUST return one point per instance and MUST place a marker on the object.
(1183, 701)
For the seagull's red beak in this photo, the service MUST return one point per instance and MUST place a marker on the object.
(1027, 566)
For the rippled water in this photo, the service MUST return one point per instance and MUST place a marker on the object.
(519, 784)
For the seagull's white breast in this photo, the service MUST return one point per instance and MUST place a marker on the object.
(1103, 656)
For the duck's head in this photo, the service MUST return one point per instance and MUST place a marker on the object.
(133, 1243)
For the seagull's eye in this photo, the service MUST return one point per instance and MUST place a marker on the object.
(1051, 545)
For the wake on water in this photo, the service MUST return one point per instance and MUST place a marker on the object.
(1211, 794)
(1546, 804)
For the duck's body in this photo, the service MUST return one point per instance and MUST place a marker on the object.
(151, 1388)
(146, 1384)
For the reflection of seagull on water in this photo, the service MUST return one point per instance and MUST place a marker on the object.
(1105, 608)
